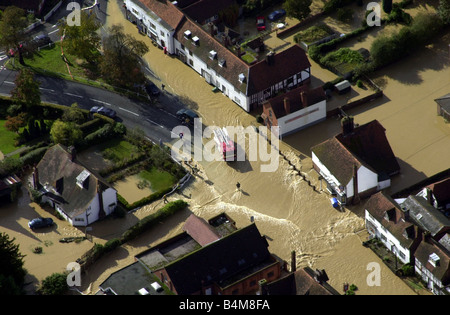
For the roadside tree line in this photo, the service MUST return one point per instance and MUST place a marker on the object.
(114, 58)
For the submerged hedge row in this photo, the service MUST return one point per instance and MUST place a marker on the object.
(98, 250)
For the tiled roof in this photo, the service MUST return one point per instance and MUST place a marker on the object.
(204, 9)
(442, 270)
(233, 64)
(441, 191)
(381, 206)
(284, 65)
(200, 230)
(313, 96)
(444, 102)
(168, 12)
(426, 216)
(219, 260)
(337, 159)
(367, 145)
(56, 164)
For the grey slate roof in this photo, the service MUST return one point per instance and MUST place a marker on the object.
(424, 215)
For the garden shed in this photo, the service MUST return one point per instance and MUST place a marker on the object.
(343, 87)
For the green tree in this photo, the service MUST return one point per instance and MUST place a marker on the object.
(55, 284)
(73, 114)
(67, 133)
(298, 9)
(82, 41)
(26, 90)
(12, 30)
(120, 61)
(444, 11)
(12, 273)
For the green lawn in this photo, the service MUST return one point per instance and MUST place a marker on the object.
(7, 139)
(158, 179)
(117, 150)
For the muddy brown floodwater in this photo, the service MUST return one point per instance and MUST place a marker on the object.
(284, 207)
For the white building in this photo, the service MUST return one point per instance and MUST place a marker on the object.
(295, 110)
(76, 193)
(357, 162)
(386, 221)
(207, 51)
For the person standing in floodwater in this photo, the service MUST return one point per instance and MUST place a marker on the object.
(238, 186)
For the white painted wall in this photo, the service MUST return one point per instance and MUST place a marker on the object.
(302, 117)
(390, 240)
(367, 179)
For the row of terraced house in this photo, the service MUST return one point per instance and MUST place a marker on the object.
(193, 32)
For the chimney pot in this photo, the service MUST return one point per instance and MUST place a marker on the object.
(304, 99)
(287, 105)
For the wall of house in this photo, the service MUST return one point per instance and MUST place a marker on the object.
(367, 180)
(109, 200)
(302, 118)
(433, 283)
(377, 230)
(297, 79)
(155, 30)
(250, 284)
(322, 170)
(211, 76)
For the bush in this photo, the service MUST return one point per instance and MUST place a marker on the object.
(56, 284)
(34, 156)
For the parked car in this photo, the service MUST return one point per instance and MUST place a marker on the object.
(40, 223)
(42, 39)
(108, 112)
(187, 116)
(260, 23)
(275, 15)
(152, 89)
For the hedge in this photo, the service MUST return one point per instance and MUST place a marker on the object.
(143, 201)
(153, 219)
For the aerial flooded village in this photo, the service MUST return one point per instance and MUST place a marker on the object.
(136, 138)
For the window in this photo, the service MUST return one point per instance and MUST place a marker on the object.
(152, 26)
(270, 274)
(252, 283)
(134, 11)
(162, 34)
(190, 53)
(191, 62)
(182, 46)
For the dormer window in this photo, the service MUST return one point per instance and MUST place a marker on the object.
(83, 179)
(212, 54)
(434, 259)
(195, 40)
(241, 78)
(187, 34)
(222, 63)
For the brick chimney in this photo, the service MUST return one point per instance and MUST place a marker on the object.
(36, 178)
(73, 153)
(304, 99)
(287, 105)
(347, 125)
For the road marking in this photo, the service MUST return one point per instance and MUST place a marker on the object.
(155, 123)
(75, 95)
(2, 57)
(50, 90)
(53, 31)
(101, 102)
(129, 111)
(168, 113)
(8, 82)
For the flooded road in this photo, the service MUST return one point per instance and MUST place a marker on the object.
(286, 209)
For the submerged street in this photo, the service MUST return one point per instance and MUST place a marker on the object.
(286, 209)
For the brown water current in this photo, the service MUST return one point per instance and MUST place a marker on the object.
(284, 206)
